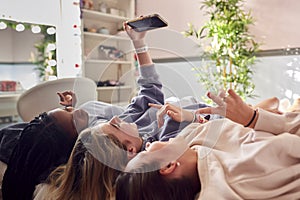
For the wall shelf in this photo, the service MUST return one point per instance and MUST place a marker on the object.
(91, 14)
(99, 36)
(98, 64)
(91, 61)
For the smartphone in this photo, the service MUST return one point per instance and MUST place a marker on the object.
(146, 23)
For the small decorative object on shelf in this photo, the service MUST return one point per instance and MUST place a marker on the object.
(103, 30)
(91, 30)
(114, 11)
(103, 7)
(8, 86)
(109, 52)
(88, 4)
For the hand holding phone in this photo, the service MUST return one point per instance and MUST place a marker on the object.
(146, 23)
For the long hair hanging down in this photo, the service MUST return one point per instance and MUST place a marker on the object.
(41, 148)
(144, 183)
(90, 172)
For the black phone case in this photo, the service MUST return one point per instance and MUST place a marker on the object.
(147, 23)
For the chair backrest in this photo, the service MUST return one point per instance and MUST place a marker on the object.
(43, 97)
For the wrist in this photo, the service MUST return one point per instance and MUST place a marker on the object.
(194, 119)
(253, 119)
(138, 43)
(141, 50)
(188, 116)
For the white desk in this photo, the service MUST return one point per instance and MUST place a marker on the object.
(8, 103)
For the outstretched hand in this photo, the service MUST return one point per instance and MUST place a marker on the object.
(231, 107)
(176, 113)
(67, 98)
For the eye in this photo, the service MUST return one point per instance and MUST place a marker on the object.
(115, 125)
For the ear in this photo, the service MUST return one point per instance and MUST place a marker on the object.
(131, 152)
(168, 169)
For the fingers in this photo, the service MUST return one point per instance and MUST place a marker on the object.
(217, 99)
(160, 113)
(60, 95)
(167, 109)
(232, 93)
(155, 105)
(222, 93)
(125, 26)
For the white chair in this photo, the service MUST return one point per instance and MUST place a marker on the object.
(43, 97)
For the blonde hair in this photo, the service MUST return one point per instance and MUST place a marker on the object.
(91, 171)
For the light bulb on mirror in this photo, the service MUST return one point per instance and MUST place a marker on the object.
(20, 27)
(35, 29)
(3, 25)
(51, 30)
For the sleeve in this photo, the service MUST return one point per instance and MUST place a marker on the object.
(276, 124)
(149, 92)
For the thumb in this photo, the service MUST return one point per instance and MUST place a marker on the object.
(207, 110)
(60, 95)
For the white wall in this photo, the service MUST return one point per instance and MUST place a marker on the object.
(277, 76)
(277, 22)
(34, 11)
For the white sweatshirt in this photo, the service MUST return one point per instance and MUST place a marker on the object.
(242, 163)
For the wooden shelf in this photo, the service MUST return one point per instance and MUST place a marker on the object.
(97, 66)
(93, 61)
(88, 35)
(91, 14)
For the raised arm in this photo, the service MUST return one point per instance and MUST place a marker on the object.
(149, 83)
(234, 108)
(138, 40)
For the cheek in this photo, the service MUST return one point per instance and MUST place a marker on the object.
(80, 120)
(155, 146)
(80, 124)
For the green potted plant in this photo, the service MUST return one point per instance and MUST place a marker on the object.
(230, 47)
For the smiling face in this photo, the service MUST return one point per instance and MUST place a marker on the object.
(159, 154)
(126, 133)
(71, 120)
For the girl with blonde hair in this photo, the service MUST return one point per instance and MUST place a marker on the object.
(91, 171)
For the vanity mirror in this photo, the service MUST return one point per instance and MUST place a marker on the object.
(27, 49)
(27, 56)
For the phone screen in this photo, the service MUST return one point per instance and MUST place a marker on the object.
(147, 23)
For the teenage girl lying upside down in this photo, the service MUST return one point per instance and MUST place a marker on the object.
(221, 159)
